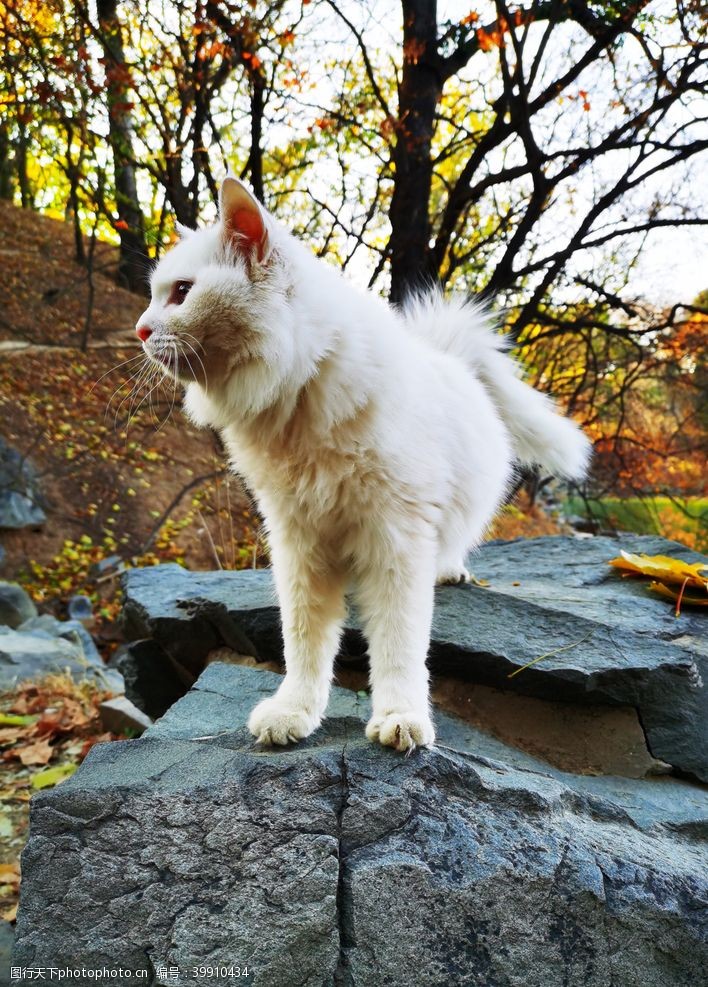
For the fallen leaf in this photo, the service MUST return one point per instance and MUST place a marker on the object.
(10, 915)
(663, 568)
(53, 776)
(672, 594)
(10, 873)
(39, 753)
(12, 720)
(10, 735)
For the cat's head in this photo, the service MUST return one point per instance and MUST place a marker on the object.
(219, 315)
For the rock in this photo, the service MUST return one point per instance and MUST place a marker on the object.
(20, 500)
(80, 608)
(16, 605)
(70, 630)
(191, 613)
(340, 862)
(606, 641)
(44, 645)
(6, 940)
(573, 577)
(153, 680)
(120, 715)
(111, 565)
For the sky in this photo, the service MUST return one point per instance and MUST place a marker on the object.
(674, 262)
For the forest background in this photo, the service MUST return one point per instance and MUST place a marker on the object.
(548, 157)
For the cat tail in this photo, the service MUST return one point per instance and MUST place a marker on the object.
(541, 436)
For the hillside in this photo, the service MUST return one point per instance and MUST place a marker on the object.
(46, 294)
(108, 470)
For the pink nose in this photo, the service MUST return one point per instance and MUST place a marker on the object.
(144, 332)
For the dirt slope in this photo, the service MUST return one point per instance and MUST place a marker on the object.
(108, 469)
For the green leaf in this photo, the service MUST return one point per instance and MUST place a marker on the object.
(52, 776)
(13, 720)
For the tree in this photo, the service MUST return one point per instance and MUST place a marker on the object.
(134, 262)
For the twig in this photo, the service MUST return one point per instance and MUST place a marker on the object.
(548, 654)
(173, 503)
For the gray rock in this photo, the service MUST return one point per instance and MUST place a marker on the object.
(111, 565)
(341, 863)
(606, 640)
(44, 645)
(153, 680)
(80, 608)
(70, 630)
(573, 577)
(20, 500)
(6, 939)
(16, 605)
(120, 715)
(191, 613)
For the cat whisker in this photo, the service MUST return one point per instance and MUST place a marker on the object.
(201, 364)
(185, 337)
(139, 356)
(132, 412)
(175, 356)
(144, 382)
(135, 380)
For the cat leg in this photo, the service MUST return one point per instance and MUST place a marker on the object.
(312, 613)
(452, 572)
(396, 606)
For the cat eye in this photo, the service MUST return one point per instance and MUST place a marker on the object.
(180, 290)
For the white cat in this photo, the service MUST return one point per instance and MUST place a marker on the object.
(378, 444)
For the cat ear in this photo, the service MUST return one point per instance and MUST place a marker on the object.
(242, 218)
(184, 231)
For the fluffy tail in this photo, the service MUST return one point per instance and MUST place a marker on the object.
(540, 434)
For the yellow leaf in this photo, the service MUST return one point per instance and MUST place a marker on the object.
(52, 776)
(10, 873)
(10, 914)
(663, 569)
(672, 594)
(13, 720)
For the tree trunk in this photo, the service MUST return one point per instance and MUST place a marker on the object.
(134, 262)
(26, 197)
(255, 155)
(7, 184)
(419, 92)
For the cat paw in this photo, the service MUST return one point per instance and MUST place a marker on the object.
(453, 577)
(404, 731)
(273, 723)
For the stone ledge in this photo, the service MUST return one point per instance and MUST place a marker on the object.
(607, 640)
(338, 862)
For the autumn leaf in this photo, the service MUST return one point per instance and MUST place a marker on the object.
(53, 776)
(487, 40)
(662, 569)
(39, 753)
(14, 720)
(10, 873)
(679, 596)
(120, 224)
(10, 735)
